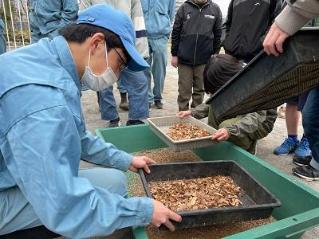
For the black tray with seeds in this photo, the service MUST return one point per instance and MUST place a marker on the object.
(256, 201)
(268, 81)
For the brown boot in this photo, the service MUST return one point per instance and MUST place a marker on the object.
(124, 104)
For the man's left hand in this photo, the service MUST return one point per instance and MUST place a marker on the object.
(141, 162)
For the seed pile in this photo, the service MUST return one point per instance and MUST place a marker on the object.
(208, 232)
(184, 131)
(199, 193)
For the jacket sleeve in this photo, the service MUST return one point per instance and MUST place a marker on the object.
(45, 150)
(95, 150)
(255, 125)
(201, 111)
(296, 14)
(228, 21)
(171, 10)
(217, 31)
(140, 29)
(177, 29)
(69, 12)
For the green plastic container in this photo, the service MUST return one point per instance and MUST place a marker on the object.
(300, 203)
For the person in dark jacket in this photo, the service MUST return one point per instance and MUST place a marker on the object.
(242, 130)
(196, 36)
(246, 25)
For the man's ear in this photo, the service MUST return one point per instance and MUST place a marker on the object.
(96, 41)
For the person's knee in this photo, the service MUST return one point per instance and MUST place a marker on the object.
(119, 183)
(111, 179)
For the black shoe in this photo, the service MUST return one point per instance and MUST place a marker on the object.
(301, 161)
(306, 172)
(134, 122)
(158, 104)
(114, 123)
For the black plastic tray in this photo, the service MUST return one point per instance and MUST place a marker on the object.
(257, 201)
(268, 81)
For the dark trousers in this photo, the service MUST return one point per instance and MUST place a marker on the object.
(190, 85)
(310, 121)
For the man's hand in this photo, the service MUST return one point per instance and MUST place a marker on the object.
(221, 135)
(141, 162)
(162, 215)
(274, 40)
(174, 61)
(184, 114)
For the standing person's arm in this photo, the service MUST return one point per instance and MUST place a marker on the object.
(217, 31)
(69, 12)
(171, 10)
(294, 16)
(228, 22)
(176, 35)
(140, 29)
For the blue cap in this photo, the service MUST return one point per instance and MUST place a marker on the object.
(102, 15)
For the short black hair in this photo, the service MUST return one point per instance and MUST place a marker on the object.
(220, 69)
(80, 32)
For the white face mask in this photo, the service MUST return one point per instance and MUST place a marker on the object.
(98, 82)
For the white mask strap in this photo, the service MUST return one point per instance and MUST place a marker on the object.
(107, 62)
(89, 58)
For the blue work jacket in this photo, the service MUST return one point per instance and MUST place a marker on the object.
(48, 17)
(43, 138)
(158, 16)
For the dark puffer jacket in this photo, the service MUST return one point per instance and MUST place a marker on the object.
(247, 23)
(196, 32)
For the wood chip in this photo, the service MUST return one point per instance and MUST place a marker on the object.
(198, 193)
(184, 131)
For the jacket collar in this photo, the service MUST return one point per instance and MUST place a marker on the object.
(62, 48)
(199, 7)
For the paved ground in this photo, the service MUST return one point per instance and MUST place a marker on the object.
(265, 146)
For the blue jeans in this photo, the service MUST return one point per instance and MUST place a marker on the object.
(20, 215)
(135, 84)
(121, 86)
(310, 121)
(2, 43)
(158, 63)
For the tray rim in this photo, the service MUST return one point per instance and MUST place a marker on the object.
(184, 141)
(277, 202)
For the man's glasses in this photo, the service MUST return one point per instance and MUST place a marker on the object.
(123, 62)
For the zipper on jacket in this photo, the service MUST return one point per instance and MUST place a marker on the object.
(200, 12)
(195, 48)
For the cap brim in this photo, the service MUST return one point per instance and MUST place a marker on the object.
(136, 63)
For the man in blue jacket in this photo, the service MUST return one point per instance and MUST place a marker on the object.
(48, 17)
(43, 135)
(2, 39)
(159, 17)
